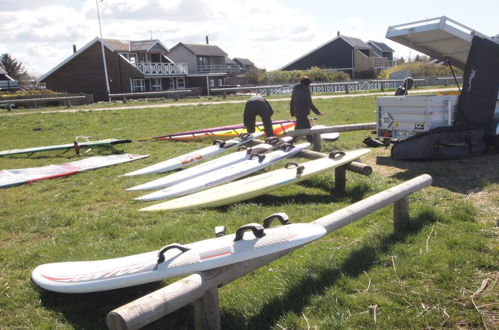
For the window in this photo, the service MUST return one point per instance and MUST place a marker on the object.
(180, 82)
(220, 82)
(156, 84)
(154, 57)
(132, 58)
(203, 60)
(142, 58)
(138, 85)
(171, 83)
(212, 83)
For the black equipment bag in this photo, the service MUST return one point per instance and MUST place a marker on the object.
(442, 143)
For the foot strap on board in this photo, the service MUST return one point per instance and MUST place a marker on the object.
(161, 253)
(256, 228)
(282, 217)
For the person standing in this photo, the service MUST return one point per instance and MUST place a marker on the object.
(258, 106)
(301, 104)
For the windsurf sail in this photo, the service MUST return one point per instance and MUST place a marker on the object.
(279, 126)
(75, 145)
(15, 177)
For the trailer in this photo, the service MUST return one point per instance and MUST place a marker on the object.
(400, 117)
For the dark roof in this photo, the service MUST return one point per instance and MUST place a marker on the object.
(243, 61)
(132, 45)
(356, 43)
(203, 49)
(380, 45)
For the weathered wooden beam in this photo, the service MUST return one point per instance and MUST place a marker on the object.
(157, 304)
(347, 215)
(354, 166)
(332, 129)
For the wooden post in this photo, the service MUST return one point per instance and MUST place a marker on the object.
(382, 86)
(346, 89)
(207, 311)
(340, 179)
(401, 218)
(316, 142)
(225, 94)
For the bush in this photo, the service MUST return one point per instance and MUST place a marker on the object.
(292, 77)
(420, 70)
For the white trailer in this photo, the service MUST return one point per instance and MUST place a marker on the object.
(400, 117)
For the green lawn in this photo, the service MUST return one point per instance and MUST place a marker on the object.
(362, 276)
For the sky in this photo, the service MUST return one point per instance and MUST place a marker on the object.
(271, 33)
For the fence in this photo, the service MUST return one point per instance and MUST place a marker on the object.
(35, 102)
(336, 87)
(175, 94)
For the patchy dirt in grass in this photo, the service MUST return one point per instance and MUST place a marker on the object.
(474, 180)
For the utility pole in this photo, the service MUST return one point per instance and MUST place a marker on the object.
(103, 52)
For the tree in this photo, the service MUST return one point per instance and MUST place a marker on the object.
(14, 68)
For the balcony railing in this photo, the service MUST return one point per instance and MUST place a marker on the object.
(225, 68)
(383, 63)
(162, 69)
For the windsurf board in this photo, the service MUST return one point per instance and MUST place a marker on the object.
(270, 144)
(249, 241)
(196, 156)
(225, 174)
(258, 185)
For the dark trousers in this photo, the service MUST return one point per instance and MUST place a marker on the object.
(250, 119)
(303, 122)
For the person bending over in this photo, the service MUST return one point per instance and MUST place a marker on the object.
(258, 106)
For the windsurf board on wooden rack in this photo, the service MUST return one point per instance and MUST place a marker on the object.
(270, 144)
(250, 241)
(196, 156)
(226, 174)
(260, 184)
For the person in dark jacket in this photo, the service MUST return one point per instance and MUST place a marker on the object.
(258, 106)
(301, 104)
(404, 88)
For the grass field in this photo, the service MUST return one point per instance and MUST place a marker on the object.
(442, 273)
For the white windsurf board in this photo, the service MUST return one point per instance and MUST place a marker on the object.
(256, 185)
(195, 156)
(212, 165)
(225, 174)
(173, 260)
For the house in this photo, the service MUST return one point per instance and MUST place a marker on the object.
(128, 66)
(208, 65)
(348, 54)
(6, 82)
(245, 63)
(138, 66)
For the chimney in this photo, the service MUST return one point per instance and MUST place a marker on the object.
(74, 49)
(207, 42)
(338, 33)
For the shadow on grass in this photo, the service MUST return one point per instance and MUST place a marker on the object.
(89, 310)
(299, 295)
(459, 175)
